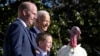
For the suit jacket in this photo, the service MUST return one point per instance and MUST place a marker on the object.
(34, 33)
(18, 41)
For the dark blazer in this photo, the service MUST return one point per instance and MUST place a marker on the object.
(18, 41)
(34, 33)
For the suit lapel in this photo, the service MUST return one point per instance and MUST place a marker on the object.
(25, 29)
(27, 32)
(34, 32)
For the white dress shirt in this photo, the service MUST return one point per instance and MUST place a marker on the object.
(22, 22)
(67, 50)
(42, 52)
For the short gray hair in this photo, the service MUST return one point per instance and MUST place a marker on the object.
(41, 13)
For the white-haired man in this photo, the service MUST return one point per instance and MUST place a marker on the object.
(42, 23)
(74, 47)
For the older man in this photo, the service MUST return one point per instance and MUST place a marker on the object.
(74, 47)
(18, 40)
(42, 23)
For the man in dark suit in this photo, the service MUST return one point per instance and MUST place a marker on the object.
(18, 40)
(44, 43)
(42, 23)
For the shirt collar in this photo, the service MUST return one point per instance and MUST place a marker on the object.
(22, 22)
(37, 30)
(43, 52)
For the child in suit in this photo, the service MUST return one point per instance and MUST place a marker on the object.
(44, 43)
